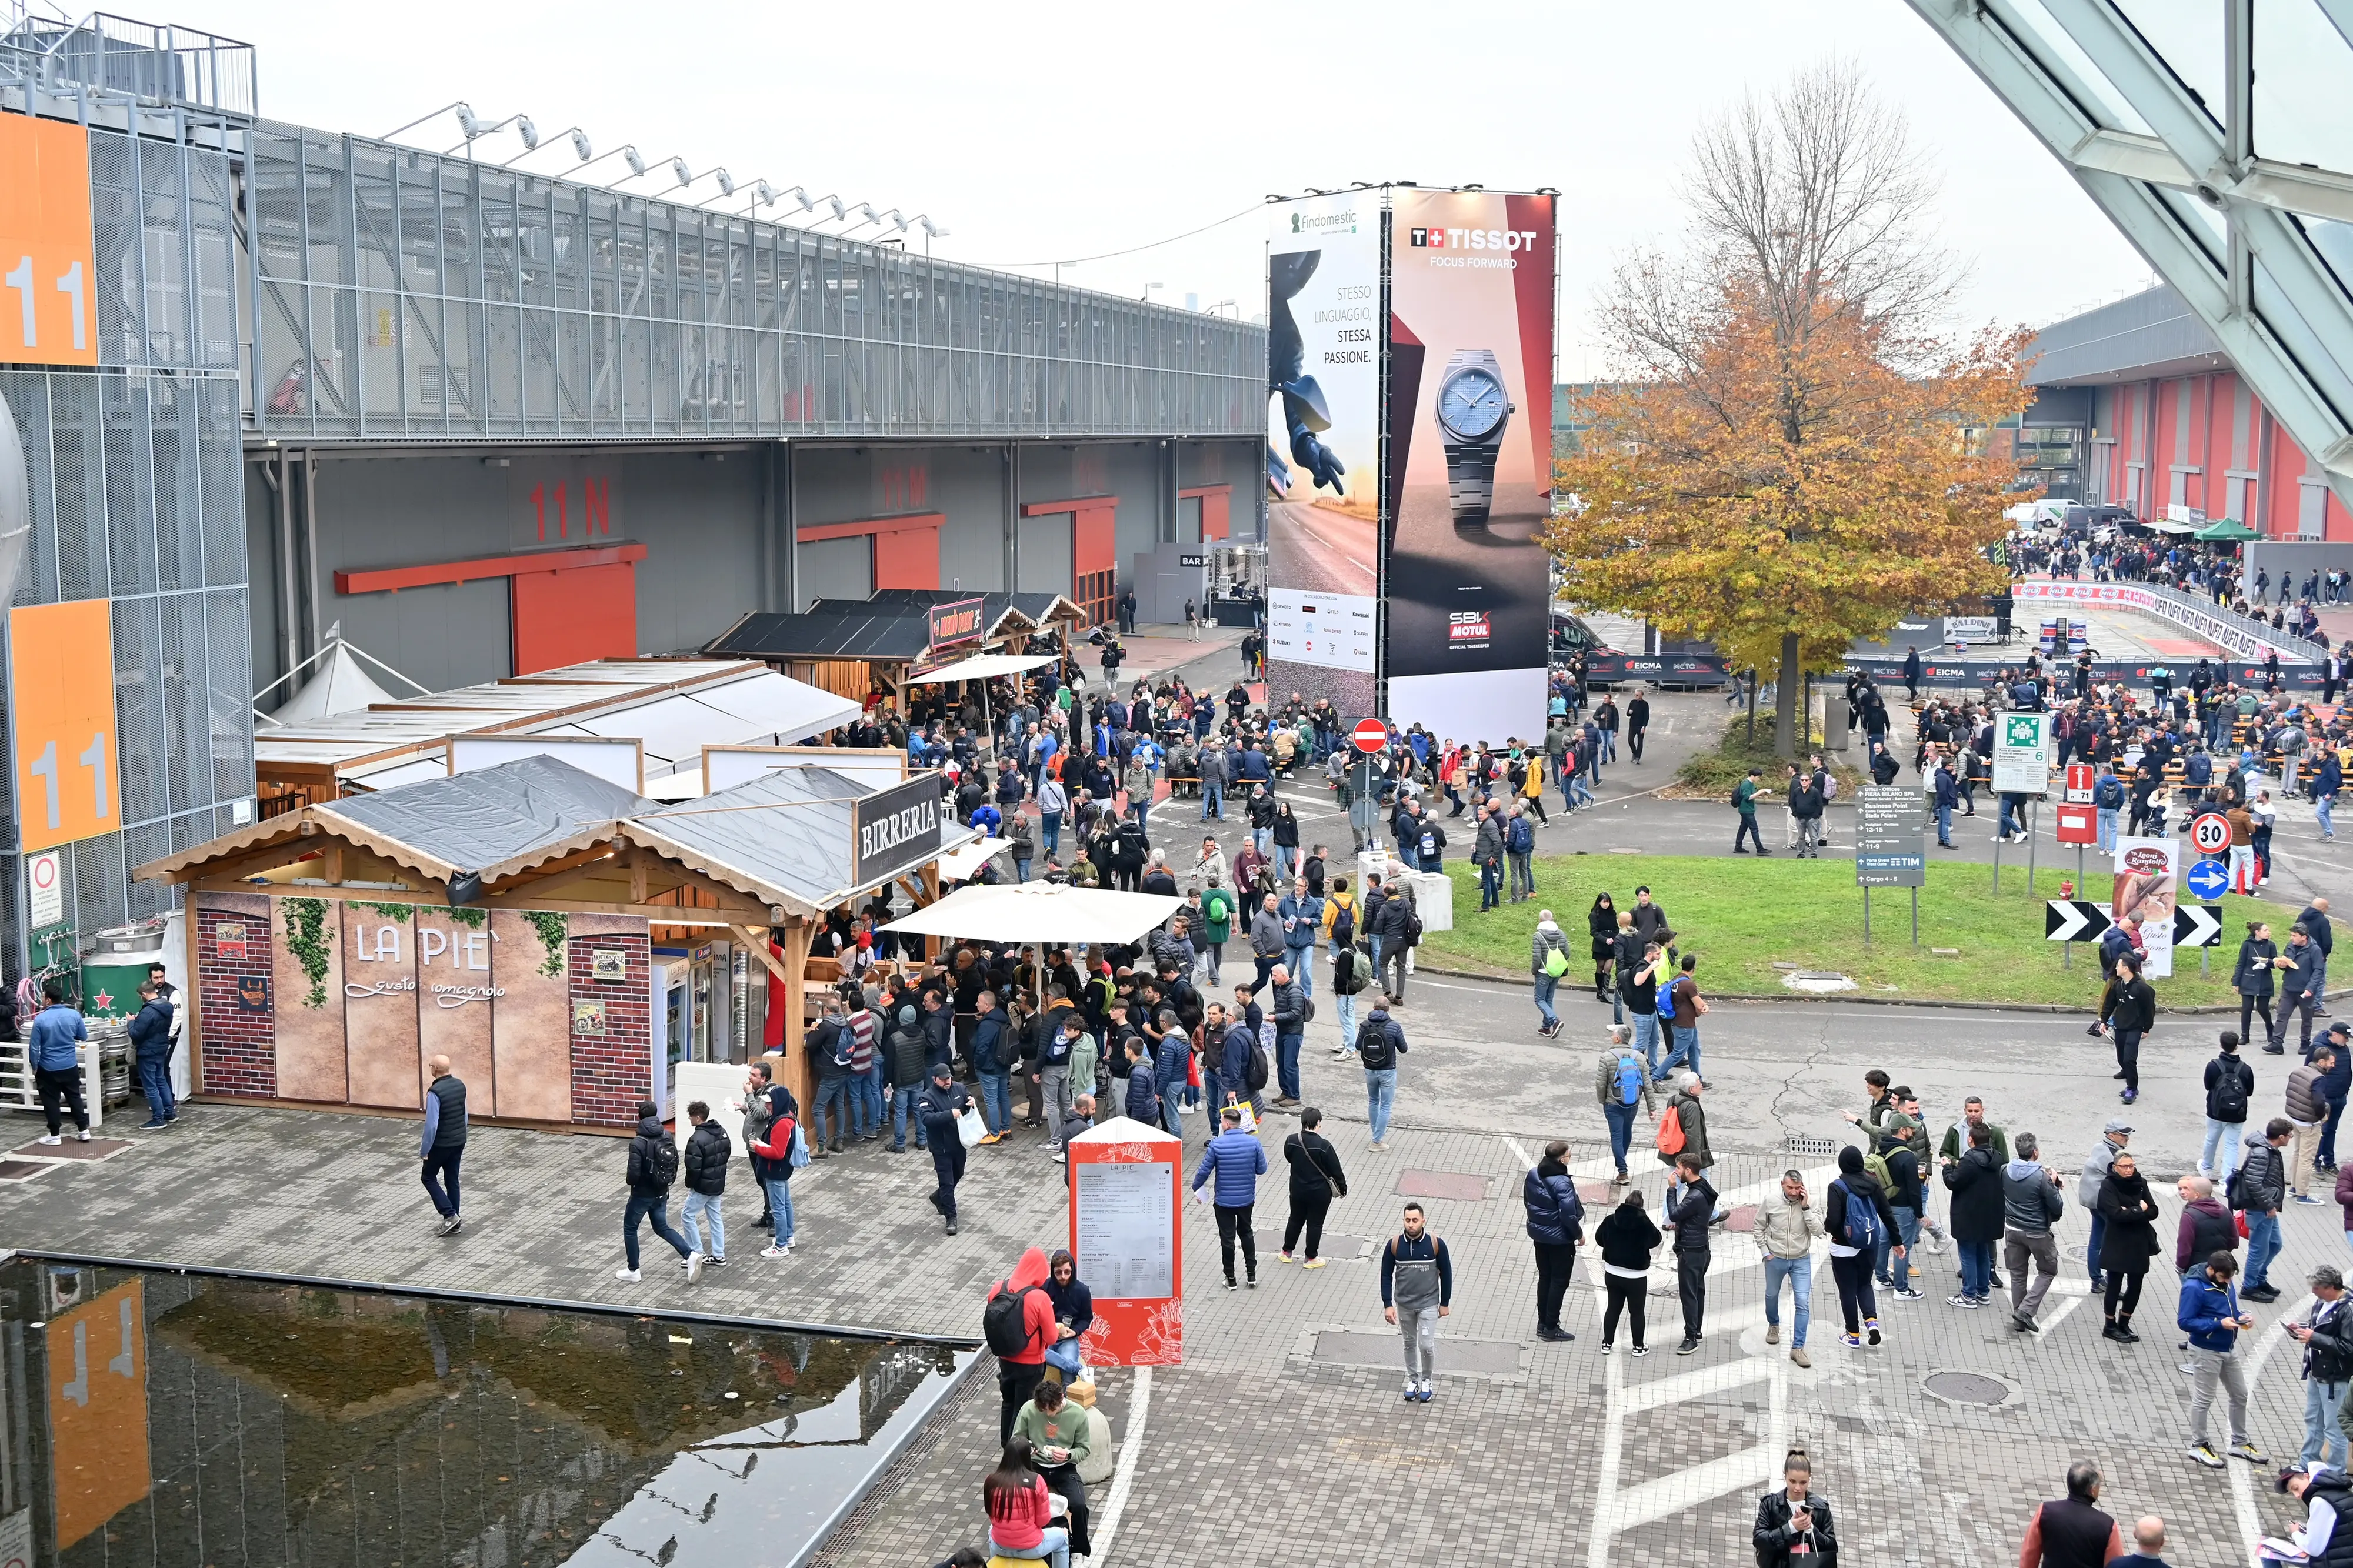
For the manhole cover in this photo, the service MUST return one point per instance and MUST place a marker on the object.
(1459, 1186)
(23, 1169)
(1808, 1147)
(1966, 1387)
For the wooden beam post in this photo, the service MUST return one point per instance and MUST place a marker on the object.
(932, 896)
(758, 943)
(797, 1074)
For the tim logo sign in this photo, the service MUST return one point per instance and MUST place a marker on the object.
(1466, 628)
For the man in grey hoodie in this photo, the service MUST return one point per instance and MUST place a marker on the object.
(2031, 1205)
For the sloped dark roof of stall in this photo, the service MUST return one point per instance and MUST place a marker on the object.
(996, 609)
(856, 632)
(492, 814)
(790, 829)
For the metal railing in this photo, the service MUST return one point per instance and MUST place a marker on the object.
(111, 54)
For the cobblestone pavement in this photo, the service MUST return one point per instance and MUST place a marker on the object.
(1289, 1393)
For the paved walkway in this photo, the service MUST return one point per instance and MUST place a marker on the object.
(1283, 1435)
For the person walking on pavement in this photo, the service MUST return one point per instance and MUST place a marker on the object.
(1638, 725)
(1793, 1525)
(2072, 1532)
(2326, 1332)
(1237, 1159)
(1975, 1179)
(2299, 988)
(1689, 1135)
(1626, 1239)
(2229, 1086)
(1619, 1082)
(1787, 1228)
(1416, 1290)
(705, 1170)
(1744, 802)
(2130, 1241)
(2132, 1013)
(1682, 993)
(2112, 1139)
(2260, 1190)
(1556, 1221)
(54, 1045)
(938, 1109)
(443, 1146)
(1316, 1179)
(2206, 1226)
(1691, 1210)
(1548, 960)
(2211, 1315)
(652, 1167)
(1392, 929)
(2032, 1204)
(1380, 1041)
(1854, 1209)
(2307, 1110)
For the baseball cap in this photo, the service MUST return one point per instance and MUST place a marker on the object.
(2117, 1126)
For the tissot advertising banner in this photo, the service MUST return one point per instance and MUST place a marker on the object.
(1323, 335)
(1469, 461)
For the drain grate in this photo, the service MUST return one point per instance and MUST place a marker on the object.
(1966, 1387)
(1808, 1147)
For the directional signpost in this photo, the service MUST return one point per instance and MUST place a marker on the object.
(1368, 736)
(2021, 765)
(2210, 833)
(2207, 881)
(2210, 880)
(1889, 851)
(2195, 925)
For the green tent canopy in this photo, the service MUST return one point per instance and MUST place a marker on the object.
(2226, 531)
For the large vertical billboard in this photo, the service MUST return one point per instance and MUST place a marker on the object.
(1324, 410)
(1469, 461)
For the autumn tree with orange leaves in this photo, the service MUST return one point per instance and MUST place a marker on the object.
(1782, 469)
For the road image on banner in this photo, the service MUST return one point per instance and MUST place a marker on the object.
(1469, 461)
(1323, 472)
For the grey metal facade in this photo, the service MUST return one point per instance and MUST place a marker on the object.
(403, 295)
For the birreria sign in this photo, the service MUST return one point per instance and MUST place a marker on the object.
(897, 828)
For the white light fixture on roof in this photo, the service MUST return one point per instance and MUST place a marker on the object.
(580, 148)
(627, 152)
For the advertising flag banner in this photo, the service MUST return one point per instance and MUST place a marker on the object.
(1469, 461)
(2148, 889)
(1323, 533)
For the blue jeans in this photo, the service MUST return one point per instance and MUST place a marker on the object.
(2222, 1139)
(2323, 1433)
(1050, 832)
(1943, 824)
(443, 1163)
(2263, 1246)
(697, 1206)
(1286, 856)
(1685, 1054)
(1064, 1353)
(1346, 1006)
(1907, 1231)
(1262, 840)
(1380, 1099)
(644, 1206)
(997, 1101)
(1490, 884)
(1301, 961)
(1976, 1268)
(835, 1092)
(1622, 1131)
(903, 1107)
(869, 1098)
(1547, 984)
(1053, 1547)
(1646, 1036)
(2324, 807)
(1800, 1273)
(1172, 1111)
(780, 1208)
(1286, 1063)
(1213, 802)
(156, 1083)
(2107, 820)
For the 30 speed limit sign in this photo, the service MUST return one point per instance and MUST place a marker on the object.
(2210, 833)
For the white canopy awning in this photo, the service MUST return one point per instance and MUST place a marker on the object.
(982, 667)
(1040, 912)
(967, 859)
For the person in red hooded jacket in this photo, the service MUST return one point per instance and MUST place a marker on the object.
(1020, 1372)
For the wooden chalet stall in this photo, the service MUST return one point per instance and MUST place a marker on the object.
(898, 639)
(507, 918)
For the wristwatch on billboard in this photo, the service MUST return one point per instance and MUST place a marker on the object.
(1472, 409)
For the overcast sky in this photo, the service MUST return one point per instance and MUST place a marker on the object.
(1035, 130)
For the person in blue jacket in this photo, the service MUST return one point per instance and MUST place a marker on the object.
(1238, 1160)
(55, 1049)
(151, 1040)
(2211, 1315)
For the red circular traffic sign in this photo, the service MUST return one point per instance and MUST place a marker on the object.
(1370, 735)
(2210, 833)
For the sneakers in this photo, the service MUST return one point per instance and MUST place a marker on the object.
(2243, 1449)
(82, 1136)
(952, 1224)
(53, 1137)
(1688, 1346)
(2306, 1198)
(1427, 1392)
(153, 1126)
(1252, 1279)
(1316, 1263)
(1607, 1347)
(711, 1262)
(1556, 1336)
(1871, 1327)
(1772, 1334)
(1906, 1293)
(1963, 1300)
(2205, 1455)
(450, 1225)
(1801, 1357)
(1342, 1051)
(1232, 1284)
(775, 1252)
(1284, 1256)
(1852, 1342)
(1413, 1392)
(631, 1275)
(1061, 1159)
(693, 1267)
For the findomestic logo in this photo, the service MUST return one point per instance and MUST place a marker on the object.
(1323, 223)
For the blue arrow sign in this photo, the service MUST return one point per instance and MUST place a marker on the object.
(2208, 880)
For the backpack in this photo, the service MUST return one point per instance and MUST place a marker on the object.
(1254, 1070)
(2230, 1189)
(1522, 837)
(1413, 929)
(1629, 1084)
(1216, 905)
(1829, 786)
(1306, 1008)
(799, 1157)
(664, 1163)
(1556, 962)
(1056, 1051)
(1004, 1323)
(1876, 1163)
(1862, 1219)
(1670, 1140)
(2231, 1096)
(1373, 1049)
(1344, 924)
(1666, 1005)
(1429, 842)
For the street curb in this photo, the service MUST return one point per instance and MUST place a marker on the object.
(2222, 1010)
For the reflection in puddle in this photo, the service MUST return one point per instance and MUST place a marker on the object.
(153, 1418)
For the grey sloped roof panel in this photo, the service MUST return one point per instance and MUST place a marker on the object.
(857, 633)
(480, 818)
(789, 829)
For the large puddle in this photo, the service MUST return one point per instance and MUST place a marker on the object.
(162, 1420)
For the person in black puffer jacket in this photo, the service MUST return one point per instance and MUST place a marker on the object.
(653, 1166)
(1627, 1238)
(704, 1166)
(1556, 1225)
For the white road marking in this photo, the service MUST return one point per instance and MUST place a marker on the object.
(1123, 1480)
(2242, 1475)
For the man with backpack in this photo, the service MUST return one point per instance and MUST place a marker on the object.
(1381, 1040)
(1619, 1081)
(1397, 927)
(1416, 1290)
(1683, 1129)
(1351, 972)
(705, 1161)
(2230, 1087)
(1018, 1325)
(1679, 1008)
(1520, 845)
(652, 1167)
(2256, 1190)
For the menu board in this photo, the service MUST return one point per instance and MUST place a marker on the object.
(1127, 1230)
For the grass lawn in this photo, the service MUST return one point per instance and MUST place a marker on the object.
(1741, 915)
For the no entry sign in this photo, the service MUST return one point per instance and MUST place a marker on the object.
(1370, 735)
(2210, 833)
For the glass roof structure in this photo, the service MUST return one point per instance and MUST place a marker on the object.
(2218, 136)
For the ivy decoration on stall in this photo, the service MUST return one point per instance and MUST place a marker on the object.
(472, 919)
(554, 932)
(306, 939)
(390, 911)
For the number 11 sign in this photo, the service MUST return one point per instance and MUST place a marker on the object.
(61, 710)
(49, 308)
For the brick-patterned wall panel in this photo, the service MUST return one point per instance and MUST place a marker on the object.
(613, 1070)
(235, 1011)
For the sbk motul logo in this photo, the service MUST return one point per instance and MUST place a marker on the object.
(1468, 626)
